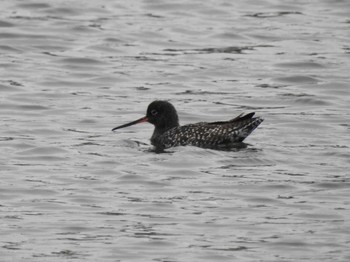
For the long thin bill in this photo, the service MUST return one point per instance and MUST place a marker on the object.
(141, 120)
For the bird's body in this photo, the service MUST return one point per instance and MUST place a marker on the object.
(207, 135)
(168, 133)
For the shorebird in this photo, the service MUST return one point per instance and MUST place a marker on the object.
(216, 135)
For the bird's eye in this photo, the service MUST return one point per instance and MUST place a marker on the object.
(154, 112)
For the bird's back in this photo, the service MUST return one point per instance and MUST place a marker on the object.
(209, 135)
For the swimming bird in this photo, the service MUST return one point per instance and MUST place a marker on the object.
(216, 135)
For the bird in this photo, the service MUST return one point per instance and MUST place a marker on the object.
(214, 135)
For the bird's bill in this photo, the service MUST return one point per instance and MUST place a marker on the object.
(138, 121)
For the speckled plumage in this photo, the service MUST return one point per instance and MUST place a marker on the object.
(168, 133)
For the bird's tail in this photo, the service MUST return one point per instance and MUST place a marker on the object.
(247, 125)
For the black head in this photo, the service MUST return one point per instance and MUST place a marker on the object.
(161, 114)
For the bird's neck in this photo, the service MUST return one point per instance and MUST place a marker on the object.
(159, 130)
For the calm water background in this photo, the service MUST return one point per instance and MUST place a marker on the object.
(71, 189)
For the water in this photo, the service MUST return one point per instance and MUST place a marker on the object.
(71, 189)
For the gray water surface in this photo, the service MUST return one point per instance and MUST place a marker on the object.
(71, 189)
